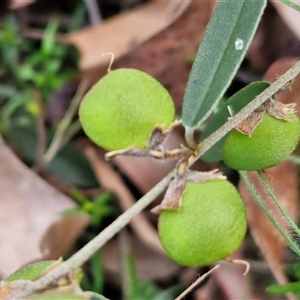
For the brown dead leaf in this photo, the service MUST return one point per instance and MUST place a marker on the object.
(28, 206)
(62, 234)
(17, 4)
(121, 33)
(273, 40)
(292, 93)
(283, 180)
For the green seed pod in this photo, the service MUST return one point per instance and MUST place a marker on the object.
(123, 108)
(271, 142)
(209, 226)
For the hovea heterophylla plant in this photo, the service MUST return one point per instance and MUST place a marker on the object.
(212, 82)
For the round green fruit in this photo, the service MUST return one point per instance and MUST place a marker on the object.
(271, 142)
(210, 225)
(123, 108)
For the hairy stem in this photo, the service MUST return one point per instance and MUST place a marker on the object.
(264, 208)
(291, 223)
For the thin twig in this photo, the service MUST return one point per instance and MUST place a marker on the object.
(199, 280)
(269, 190)
(42, 136)
(292, 244)
(93, 11)
(62, 127)
(71, 131)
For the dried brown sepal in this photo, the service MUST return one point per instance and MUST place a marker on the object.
(155, 146)
(159, 135)
(248, 125)
(172, 154)
(157, 138)
(173, 196)
(131, 151)
(274, 108)
(279, 110)
(204, 176)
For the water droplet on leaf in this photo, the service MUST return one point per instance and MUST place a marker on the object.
(239, 44)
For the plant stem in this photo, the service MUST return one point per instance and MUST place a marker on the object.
(93, 12)
(94, 245)
(278, 204)
(81, 256)
(263, 207)
(193, 285)
(58, 138)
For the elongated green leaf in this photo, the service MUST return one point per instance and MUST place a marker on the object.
(293, 287)
(239, 100)
(291, 4)
(224, 45)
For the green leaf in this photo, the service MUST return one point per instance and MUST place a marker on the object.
(48, 41)
(291, 4)
(58, 295)
(30, 272)
(95, 296)
(293, 287)
(221, 52)
(235, 104)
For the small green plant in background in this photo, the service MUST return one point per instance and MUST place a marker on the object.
(138, 289)
(95, 281)
(120, 93)
(292, 287)
(98, 208)
(26, 70)
(30, 73)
